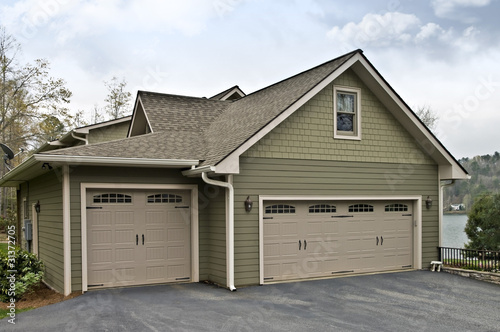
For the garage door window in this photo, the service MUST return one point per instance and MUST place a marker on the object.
(112, 198)
(322, 208)
(164, 198)
(396, 208)
(361, 208)
(280, 209)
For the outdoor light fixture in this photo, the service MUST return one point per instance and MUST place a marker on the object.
(248, 204)
(46, 165)
(37, 207)
(428, 202)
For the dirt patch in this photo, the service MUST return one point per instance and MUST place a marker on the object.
(43, 296)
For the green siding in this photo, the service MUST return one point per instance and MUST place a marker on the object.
(308, 133)
(48, 190)
(210, 209)
(109, 133)
(212, 234)
(302, 157)
(261, 176)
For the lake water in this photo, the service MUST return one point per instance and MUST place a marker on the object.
(453, 230)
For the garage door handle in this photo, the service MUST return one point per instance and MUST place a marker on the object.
(300, 244)
(142, 239)
(136, 239)
(377, 240)
(305, 244)
(381, 240)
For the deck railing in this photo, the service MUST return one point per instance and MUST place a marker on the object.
(481, 260)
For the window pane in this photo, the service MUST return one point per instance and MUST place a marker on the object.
(345, 102)
(345, 122)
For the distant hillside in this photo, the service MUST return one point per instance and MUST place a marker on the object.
(485, 176)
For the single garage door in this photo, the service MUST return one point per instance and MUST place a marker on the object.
(307, 239)
(138, 237)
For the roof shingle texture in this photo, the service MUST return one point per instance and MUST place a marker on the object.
(206, 129)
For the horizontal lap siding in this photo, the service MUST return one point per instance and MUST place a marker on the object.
(48, 190)
(262, 176)
(212, 234)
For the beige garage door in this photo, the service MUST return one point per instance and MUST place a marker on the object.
(307, 239)
(137, 237)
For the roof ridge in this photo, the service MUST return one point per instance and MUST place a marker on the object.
(177, 95)
(347, 55)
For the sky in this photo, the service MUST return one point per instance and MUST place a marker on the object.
(441, 54)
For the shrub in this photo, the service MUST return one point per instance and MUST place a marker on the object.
(28, 273)
(483, 224)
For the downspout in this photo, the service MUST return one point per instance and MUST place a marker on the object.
(79, 138)
(230, 228)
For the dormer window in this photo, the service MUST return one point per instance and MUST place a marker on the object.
(347, 108)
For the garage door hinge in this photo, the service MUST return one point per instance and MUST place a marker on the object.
(94, 207)
(182, 207)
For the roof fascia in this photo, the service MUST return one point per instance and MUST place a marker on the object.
(112, 161)
(138, 102)
(198, 170)
(402, 112)
(9, 179)
(231, 163)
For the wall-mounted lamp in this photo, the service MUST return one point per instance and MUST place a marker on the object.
(46, 165)
(248, 204)
(428, 202)
(37, 207)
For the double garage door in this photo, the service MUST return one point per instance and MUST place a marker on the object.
(138, 237)
(307, 239)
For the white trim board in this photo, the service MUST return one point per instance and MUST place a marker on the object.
(195, 272)
(417, 219)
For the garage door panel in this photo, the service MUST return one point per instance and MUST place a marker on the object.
(135, 242)
(343, 236)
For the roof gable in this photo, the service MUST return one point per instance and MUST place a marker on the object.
(230, 94)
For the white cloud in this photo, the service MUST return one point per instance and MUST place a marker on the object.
(381, 30)
(69, 19)
(443, 8)
(397, 30)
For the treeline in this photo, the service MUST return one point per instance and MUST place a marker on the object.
(485, 177)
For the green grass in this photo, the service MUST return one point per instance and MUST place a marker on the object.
(5, 312)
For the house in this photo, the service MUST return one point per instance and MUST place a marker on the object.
(325, 173)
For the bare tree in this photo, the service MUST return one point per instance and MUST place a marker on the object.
(29, 95)
(428, 117)
(117, 99)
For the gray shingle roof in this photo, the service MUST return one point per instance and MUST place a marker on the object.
(162, 145)
(207, 129)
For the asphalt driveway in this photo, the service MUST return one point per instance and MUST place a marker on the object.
(405, 301)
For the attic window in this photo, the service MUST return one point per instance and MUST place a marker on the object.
(347, 108)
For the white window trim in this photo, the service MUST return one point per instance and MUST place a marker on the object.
(357, 114)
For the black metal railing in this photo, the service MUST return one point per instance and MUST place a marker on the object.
(481, 260)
